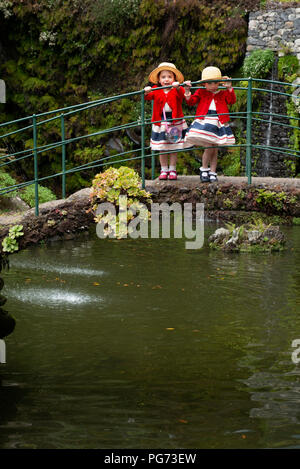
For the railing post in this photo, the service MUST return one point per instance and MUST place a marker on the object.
(63, 155)
(143, 138)
(35, 157)
(249, 131)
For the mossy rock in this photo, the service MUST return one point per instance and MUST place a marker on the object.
(248, 238)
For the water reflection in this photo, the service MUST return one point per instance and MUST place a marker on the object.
(143, 344)
(52, 297)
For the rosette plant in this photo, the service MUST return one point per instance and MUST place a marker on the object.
(120, 187)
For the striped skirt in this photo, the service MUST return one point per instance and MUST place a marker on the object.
(158, 139)
(209, 131)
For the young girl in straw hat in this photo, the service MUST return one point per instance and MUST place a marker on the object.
(211, 126)
(167, 105)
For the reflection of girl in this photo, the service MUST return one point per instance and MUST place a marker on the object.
(167, 105)
(211, 128)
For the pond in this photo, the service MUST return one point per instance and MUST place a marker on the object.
(145, 344)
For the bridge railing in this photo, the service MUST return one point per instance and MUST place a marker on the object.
(27, 128)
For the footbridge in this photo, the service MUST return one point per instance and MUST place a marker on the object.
(57, 123)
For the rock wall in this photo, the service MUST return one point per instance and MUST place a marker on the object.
(275, 30)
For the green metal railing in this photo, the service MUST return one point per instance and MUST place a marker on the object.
(59, 116)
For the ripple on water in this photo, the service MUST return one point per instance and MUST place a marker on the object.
(52, 296)
(59, 269)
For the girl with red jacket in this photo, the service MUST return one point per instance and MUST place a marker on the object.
(210, 128)
(167, 105)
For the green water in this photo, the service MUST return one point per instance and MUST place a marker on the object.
(144, 344)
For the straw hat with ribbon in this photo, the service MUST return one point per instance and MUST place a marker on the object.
(211, 73)
(153, 77)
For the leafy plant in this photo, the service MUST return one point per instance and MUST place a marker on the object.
(259, 225)
(6, 181)
(45, 195)
(273, 199)
(288, 67)
(9, 243)
(259, 63)
(113, 13)
(117, 185)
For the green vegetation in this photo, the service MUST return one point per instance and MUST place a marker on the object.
(9, 243)
(57, 53)
(119, 186)
(6, 181)
(256, 237)
(45, 195)
(288, 67)
(296, 221)
(259, 63)
(60, 53)
(274, 200)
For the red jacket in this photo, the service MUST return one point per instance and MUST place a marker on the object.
(203, 98)
(174, 99)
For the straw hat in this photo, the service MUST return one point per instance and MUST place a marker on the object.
(211, 73)
(153, 77)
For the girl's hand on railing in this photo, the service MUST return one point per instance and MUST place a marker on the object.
(187, 86)
(227, 84)
(147, 89)
(175, 84)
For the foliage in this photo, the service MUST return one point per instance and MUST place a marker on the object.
(274, 200)
(118, 185)
(259, 63)
(45, 195)
(5, 8)
(58, 53)
(6, 181)
(288, 67)
(231, 163)
(255, 237)
(9, 243)
(113, 13)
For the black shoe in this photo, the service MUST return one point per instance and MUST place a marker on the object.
(204, 175)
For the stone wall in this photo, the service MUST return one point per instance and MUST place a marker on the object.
(275, 30)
